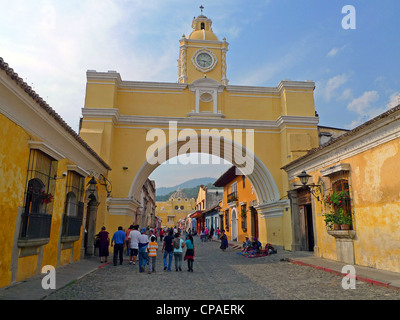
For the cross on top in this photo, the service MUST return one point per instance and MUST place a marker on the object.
(201, 8)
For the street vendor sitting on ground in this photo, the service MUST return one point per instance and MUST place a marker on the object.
(247, 244)
(256, 245)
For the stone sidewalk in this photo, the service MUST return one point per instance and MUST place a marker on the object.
(31, 289)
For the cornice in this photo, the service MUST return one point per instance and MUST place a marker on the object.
(39, 145)
(195, 120)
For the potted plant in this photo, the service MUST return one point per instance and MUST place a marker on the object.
(337, 219)
(332, 220)
(345, 220)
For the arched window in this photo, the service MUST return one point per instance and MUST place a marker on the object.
(34, 196)
(202, 26)
(71, 204)
(343, 185)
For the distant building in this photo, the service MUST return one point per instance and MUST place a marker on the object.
(176, 208)
(238, 215)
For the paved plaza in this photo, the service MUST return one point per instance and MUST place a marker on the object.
(220, 276)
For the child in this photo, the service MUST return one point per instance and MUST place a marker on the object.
(152, 249)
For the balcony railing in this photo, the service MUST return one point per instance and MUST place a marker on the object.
(232, 197)
(71, 226)
(35, 226)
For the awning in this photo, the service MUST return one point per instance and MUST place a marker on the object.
(197, 214)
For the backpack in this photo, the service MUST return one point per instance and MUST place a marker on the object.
(177, 243)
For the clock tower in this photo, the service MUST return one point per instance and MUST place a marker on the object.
(202, 54)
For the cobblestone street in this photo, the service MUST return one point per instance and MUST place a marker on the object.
(220, 276)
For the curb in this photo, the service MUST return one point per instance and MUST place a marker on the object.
(363, 279)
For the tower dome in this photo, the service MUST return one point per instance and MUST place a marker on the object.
(178, 194)
(202, 29)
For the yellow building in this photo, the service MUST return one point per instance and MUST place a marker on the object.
(364, 161)
(238, 213)
(178, 206)
(135, 126)
(48, 217)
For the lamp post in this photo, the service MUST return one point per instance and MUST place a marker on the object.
(304, 177)
(92, 185)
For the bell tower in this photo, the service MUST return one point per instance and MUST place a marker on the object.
(202, 54)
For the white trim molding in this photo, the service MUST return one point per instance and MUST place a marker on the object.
(122, 206)
(39, 145)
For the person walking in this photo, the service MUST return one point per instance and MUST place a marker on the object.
(178, 251)
(133, 240)
(127, 232)
(143, 241)
(152, 251)
(118, 241)
(161, 234)
(168, 250)
(189, 255)
(224, 241)
(104, 243)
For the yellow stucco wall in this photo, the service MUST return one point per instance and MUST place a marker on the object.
(375, 200)
(13, 168)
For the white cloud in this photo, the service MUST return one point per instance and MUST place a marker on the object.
(362, 104)
(394, 100)
(328, 89)
(364, 108)
(334, 51)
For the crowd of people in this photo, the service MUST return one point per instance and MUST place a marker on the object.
(142, 247)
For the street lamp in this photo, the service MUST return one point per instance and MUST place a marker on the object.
(92, 185)
(103, 182)
(304, 177)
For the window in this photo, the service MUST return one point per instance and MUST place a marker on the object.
(74, 192)
(227, 219)
(343, 185)
(176, 207)
(232, 196)
(243, 215)
(73, 212)
(202, 26)
(182, 207)
(39, 191)
(244, 181)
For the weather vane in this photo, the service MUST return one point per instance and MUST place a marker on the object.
(201, 8)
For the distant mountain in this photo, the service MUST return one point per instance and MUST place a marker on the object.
(189, 187)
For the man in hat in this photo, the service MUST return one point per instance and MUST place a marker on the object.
(143, 241)
(133, 242)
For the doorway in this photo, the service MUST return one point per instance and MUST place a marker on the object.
(90, 226)
(254, 222)
(306, 224)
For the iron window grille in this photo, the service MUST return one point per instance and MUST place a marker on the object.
(73, 211)
(37, 214)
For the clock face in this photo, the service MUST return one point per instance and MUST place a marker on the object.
(204, 60)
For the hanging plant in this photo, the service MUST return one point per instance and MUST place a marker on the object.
(46, 197)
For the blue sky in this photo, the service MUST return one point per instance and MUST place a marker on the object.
(51, 44)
